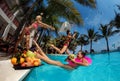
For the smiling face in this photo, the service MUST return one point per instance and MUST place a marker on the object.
(80, 54)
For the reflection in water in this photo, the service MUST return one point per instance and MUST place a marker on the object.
(108, 58)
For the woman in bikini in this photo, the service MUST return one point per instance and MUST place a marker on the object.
(80, 59)
(34, 26)
(67, 41)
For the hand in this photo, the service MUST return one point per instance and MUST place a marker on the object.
(52, 28)
(51, 45)
(73, 60)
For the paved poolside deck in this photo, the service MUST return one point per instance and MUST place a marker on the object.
(8, 73)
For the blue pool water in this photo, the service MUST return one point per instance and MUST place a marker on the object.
(104, 68)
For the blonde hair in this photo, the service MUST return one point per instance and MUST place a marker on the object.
(38, 18)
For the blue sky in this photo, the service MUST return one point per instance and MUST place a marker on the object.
(103, 14)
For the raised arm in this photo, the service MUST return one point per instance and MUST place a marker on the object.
(46, 25)
(74, 35)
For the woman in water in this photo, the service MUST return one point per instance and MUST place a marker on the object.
(80, 59)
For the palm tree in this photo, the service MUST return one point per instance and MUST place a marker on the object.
(90, 3)
(106, 31)
(22, 24)
(46, 40)
(116, 21)
(82, 40)
(25, 18)
(73, 45)
(91, 35)
(61, 8)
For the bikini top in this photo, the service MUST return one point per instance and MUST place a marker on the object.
(35, 25)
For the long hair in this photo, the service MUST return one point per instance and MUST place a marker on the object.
(83, 53)
(67, 32)
(67, 40)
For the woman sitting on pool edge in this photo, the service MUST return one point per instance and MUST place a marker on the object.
(80, 59)
(41, 55)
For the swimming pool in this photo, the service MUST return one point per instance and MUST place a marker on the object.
(105, 67)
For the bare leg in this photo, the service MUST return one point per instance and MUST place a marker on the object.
(39, 49)
(48, 60)
(27, 41)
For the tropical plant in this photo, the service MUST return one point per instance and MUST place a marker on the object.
(58, 42)
(46, 40)
(74, 43)
(116, 21)
(90, 3)
(106, 31)
(61, 8)
(82, 40)
(73, 46)
(23, 22)
(92, 36)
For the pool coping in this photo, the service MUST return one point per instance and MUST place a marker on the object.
(21, 79)
(58, 54)
(8, 73)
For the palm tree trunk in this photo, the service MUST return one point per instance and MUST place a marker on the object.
(40, 37)
(25, 17)
(45, 47)
(81, 47)
(73, 51)
(107, 44)
(90, 46)
(18, 41)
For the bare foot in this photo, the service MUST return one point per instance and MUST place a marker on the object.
(51, 45)
(52, 28)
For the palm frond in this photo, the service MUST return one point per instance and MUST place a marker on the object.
(65, 9)
(115, 32)
(98, 37)
(90, 3)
